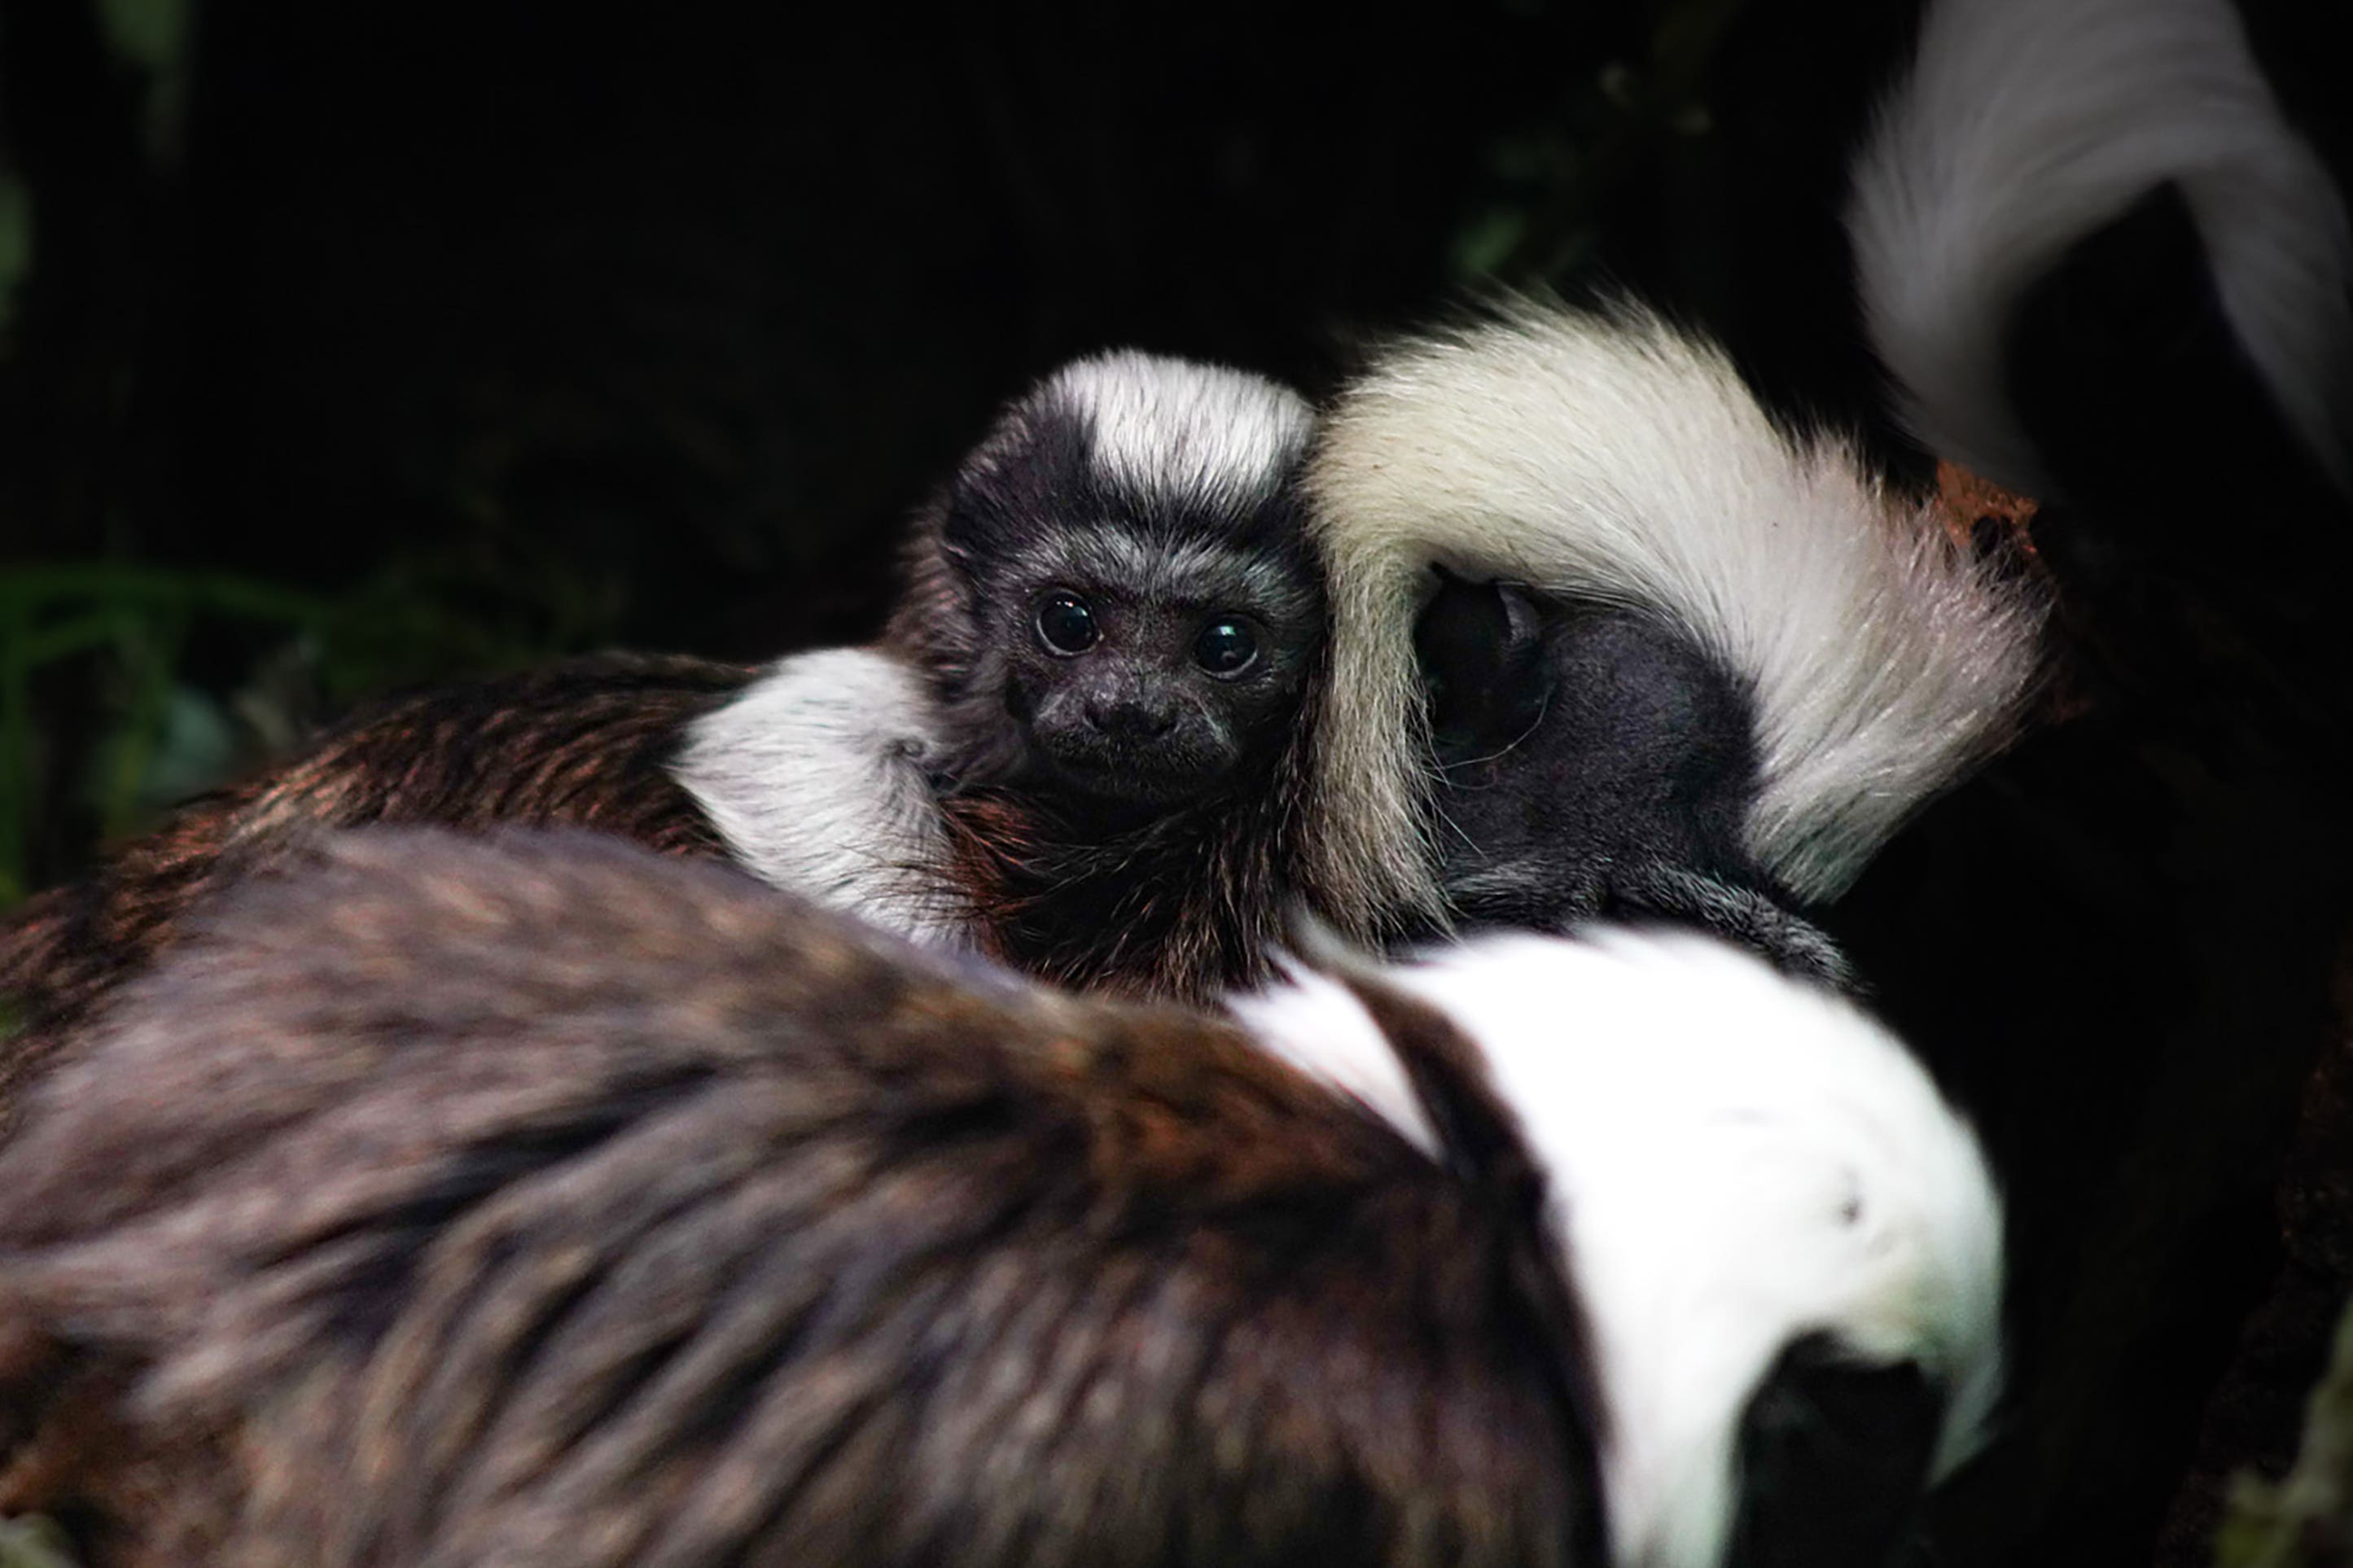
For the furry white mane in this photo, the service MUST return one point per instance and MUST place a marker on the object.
(1613, 457)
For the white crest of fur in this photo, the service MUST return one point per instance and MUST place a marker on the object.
(1737, 1160)
(1319, 1025)
(1172, 427)
(1614, 457)
(2028, 124)
(814, 776)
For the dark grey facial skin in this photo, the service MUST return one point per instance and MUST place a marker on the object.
(1594, 761)
(1148, 699)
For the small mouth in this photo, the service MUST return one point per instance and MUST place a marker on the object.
(1149, 776)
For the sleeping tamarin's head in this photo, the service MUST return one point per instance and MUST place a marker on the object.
(1113, 595)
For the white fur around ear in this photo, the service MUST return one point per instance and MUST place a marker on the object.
(2028, 124)
(1320, 1027)
(814, 776)
(1611, 457)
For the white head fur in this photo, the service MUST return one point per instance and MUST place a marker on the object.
(1172, 438)
(1184, 430)
(1614, 457)
(815, 777)
(1736, 1160)
(2027, 125)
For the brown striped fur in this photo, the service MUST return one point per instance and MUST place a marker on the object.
(582, 744)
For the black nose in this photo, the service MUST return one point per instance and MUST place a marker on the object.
(1131, 721)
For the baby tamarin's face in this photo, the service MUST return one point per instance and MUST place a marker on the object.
(1131, 549)
(1152, 685)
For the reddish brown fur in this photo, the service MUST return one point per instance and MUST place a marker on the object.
(583, 744)
(1186, 906)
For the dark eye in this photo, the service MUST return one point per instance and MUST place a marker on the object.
(1065, 624)
(1225, 647)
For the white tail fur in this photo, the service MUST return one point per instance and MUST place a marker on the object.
(2028, 124)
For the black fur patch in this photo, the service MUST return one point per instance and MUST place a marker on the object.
(1833, 1460)
(1594, 759)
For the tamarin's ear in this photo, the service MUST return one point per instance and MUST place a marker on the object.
(1480, 647)
(2023, 131)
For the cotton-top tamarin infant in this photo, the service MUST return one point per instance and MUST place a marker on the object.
(1112, 644)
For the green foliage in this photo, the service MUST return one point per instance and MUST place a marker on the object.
(2305, 1519)
(34, 1542)
(136, 620)
(151, 37)
(152, 34)
(124, 632)
(1548, 182)
(15, 245)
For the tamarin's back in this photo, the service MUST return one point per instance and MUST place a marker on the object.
(584, 743)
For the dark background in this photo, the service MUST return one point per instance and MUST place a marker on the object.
(489, 331)
(349, 347)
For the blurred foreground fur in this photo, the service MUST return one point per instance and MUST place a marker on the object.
(549, 1204)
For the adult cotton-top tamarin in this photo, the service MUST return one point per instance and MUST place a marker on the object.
(540, 1200)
